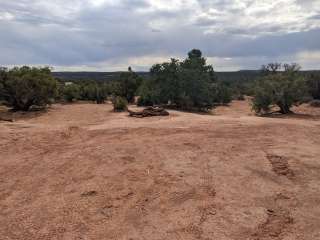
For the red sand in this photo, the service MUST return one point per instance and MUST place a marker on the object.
(83, 172)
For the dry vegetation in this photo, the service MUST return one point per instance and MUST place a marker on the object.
(82, 171)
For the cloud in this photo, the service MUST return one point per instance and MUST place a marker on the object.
(112, 34)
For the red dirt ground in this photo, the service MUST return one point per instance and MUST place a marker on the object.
(83, 172)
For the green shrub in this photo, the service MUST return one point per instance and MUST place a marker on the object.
(71, 92)
(3, 78)
(188, 85)
(93, 91)
(313, 81)
(120, 104)
(127, 85)
(88, 91)
(146, 93)
(145, 100)
(263, 98)
(23, 87)
(282, 89)
(100, 95)
(223, 94)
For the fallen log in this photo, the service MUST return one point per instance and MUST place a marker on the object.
(149, 112)
(6, 119)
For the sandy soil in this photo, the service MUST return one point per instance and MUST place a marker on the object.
(83, 172)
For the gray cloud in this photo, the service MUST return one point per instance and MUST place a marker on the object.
(109, 34)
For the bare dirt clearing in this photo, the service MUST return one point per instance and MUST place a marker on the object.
(83, 172)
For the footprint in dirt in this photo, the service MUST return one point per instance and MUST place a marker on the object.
(277, 223)
(128, 159)
(280, 166)
(279, 220)
(89, 194)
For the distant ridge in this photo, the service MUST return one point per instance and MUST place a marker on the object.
(98, 76)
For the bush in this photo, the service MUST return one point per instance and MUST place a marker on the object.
(23, 87)
(71, 92)
(262, 100)
(3, 78)
(93, 91)
(314, 85)
(282, 89)
(88, 91)
(223, 94)
(147, 96)
(145, 100)
(120, 104)
(127, 85)
(100, 96)
(188, 85)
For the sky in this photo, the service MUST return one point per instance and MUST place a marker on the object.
(110, 35)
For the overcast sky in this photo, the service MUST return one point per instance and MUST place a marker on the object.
(108, 35)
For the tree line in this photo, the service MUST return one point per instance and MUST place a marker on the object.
(190, 84)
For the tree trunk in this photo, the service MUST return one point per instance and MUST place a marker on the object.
(19, 106)
(284, 109)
